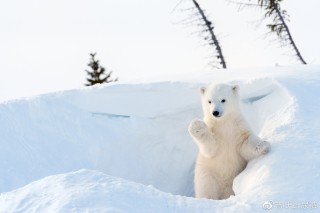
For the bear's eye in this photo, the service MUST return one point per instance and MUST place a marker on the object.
(209, 102)
(223, 100)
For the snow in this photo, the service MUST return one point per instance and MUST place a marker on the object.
(124, 147)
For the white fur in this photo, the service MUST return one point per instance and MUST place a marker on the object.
(226, 143)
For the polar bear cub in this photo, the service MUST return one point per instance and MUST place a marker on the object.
(225, 140)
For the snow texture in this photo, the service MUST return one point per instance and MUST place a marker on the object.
(124, 147)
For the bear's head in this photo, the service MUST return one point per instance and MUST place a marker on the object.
(219, 100)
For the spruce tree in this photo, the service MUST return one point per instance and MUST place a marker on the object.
(278, 25)
(97, 75)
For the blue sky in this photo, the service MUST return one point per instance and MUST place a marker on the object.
(45, 44)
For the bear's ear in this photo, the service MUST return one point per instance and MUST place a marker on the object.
(235, 88)
(203, 90)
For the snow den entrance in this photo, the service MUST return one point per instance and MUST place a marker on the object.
(158, 150)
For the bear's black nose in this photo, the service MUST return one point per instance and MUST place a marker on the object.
(215, 113)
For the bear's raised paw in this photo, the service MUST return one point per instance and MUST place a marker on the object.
(197, 127)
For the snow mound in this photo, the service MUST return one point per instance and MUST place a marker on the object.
(136, 135)
(86, 190)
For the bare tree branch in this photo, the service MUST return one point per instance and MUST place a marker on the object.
(213, 41)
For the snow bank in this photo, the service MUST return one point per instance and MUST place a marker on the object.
(136, 135)
(86, 190)
(69, 131)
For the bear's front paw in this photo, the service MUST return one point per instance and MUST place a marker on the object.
(197, 127)
(264, 147)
